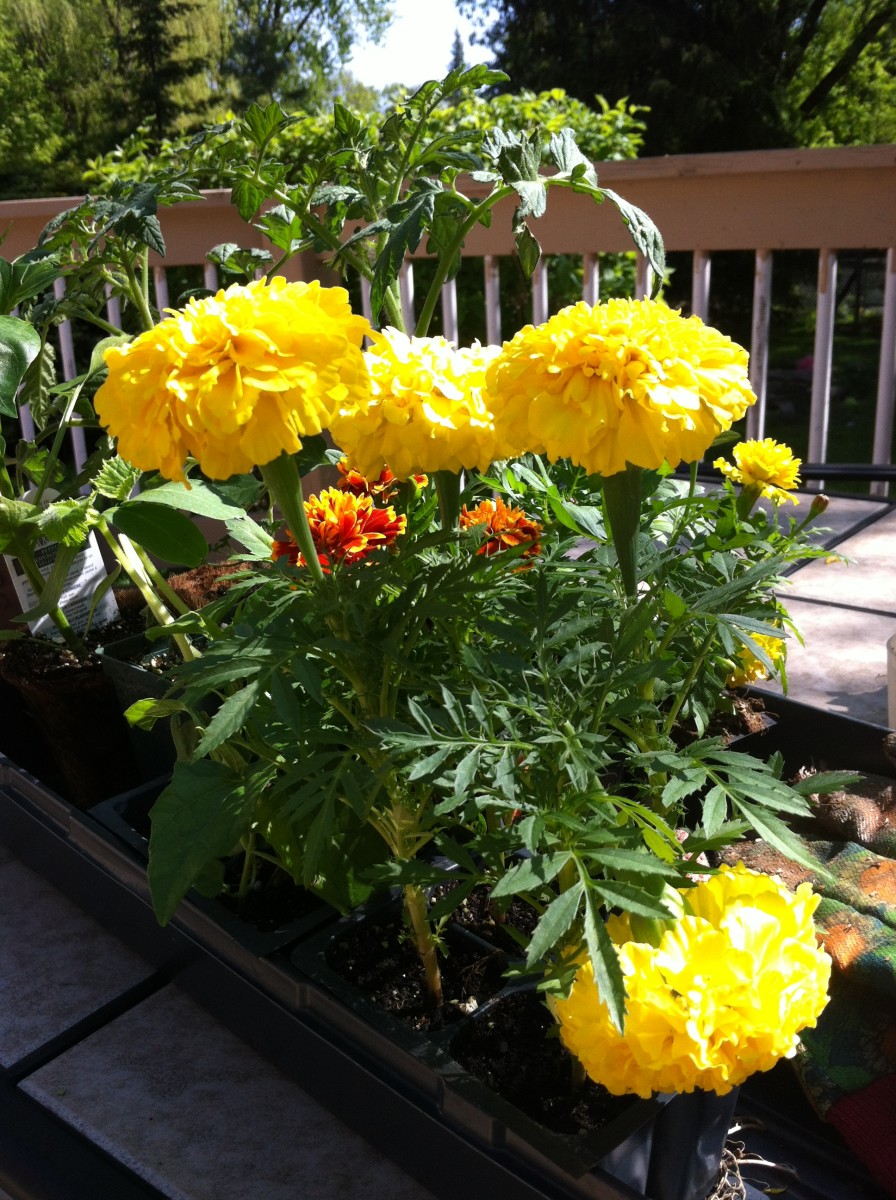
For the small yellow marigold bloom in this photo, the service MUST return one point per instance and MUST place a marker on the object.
(749, 669)
(768, 467)
(725, 993)
(235, 379)
(427, 411)
(628, 381)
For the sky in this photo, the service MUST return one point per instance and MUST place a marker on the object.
(417, 45)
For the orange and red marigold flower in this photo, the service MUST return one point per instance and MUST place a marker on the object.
(383, 487)
(504, 527)
(344, 528)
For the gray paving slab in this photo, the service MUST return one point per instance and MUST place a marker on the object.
(57, 966)
(176, 1097)
(842, 666)
(867, 579)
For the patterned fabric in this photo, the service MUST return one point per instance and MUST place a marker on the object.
(847, 1063)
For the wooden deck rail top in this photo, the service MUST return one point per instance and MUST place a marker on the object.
(760, 199)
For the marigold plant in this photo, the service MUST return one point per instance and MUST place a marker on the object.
(345, 527)
(505, 526)
(626, 382)
(763, 468)
(235, 379)
(724, 993)
(427, 410)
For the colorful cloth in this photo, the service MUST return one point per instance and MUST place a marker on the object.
(847, 1063)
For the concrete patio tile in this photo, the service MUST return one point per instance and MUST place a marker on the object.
(57, 965)
(867, 580)
(843, 665)
(191, 1109)
(843, 515)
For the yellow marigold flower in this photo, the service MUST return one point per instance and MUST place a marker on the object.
(725, 993)
(748, 668)
(628, 381)
(235, 379)
(427, 411)
(344, 528)
(767, 467)
(504, 527)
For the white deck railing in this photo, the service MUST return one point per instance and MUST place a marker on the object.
(761, 201)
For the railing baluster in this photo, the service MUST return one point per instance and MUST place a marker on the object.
(643, 278)
(886, 377)
(160, 284)
(406, 287)
(69, 371)
(590, 278)
(449, 310)
(492, 300)
(210, 276)
(762, 307)
(821, 360)
(700, 284)
(113, 307)
(540, 301)
(365, 299)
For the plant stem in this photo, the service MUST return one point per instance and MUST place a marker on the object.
(622, 501)
(56, 615)
(415, 907)
(448, 493)
(282, 479)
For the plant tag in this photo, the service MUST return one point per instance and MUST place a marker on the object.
(86, 574)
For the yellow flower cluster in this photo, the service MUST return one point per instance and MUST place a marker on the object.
(724, 994)
(427, 412)
(748, 668)
(767, 467)
(235, 379)
(628, 381)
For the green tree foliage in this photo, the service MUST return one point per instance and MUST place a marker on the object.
(78, 77)
(730, 75)
(287, 51)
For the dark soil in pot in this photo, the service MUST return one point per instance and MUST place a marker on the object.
(75, 708)
(513, 1047)
(379, 960)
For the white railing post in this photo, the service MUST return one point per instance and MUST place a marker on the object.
(210, 276)
(449, 311)
(643, 278)
(700, 284)
(406, 288)
(821, 359)
(762, 307)
(160, 286)
(886, 378)
(590, 279)
(540, 302)
(365, 299)
(69, 371)
(492, 300)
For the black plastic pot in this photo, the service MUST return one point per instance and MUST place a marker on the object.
(409, 1096)
(127, 818)
(123, 665)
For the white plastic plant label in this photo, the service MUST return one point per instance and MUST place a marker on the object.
(86, 574)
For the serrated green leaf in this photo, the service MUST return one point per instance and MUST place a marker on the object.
(116, 479)
(527, 248)
(430, 764)
(37, 385)
(715, 809)
(644, 233)
(247, 197)
(777, 834)
(531, 873)
(570, 160)
(608, 977)
(229, 719)
(19, 346)
(554, 924)
(827, 781)
(198, 818)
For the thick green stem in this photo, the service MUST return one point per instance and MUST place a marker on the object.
(448, 493)
(622, 500)
(56, 615)
(282, 479)
(415, 907)
(747, 499)
(126, 554)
